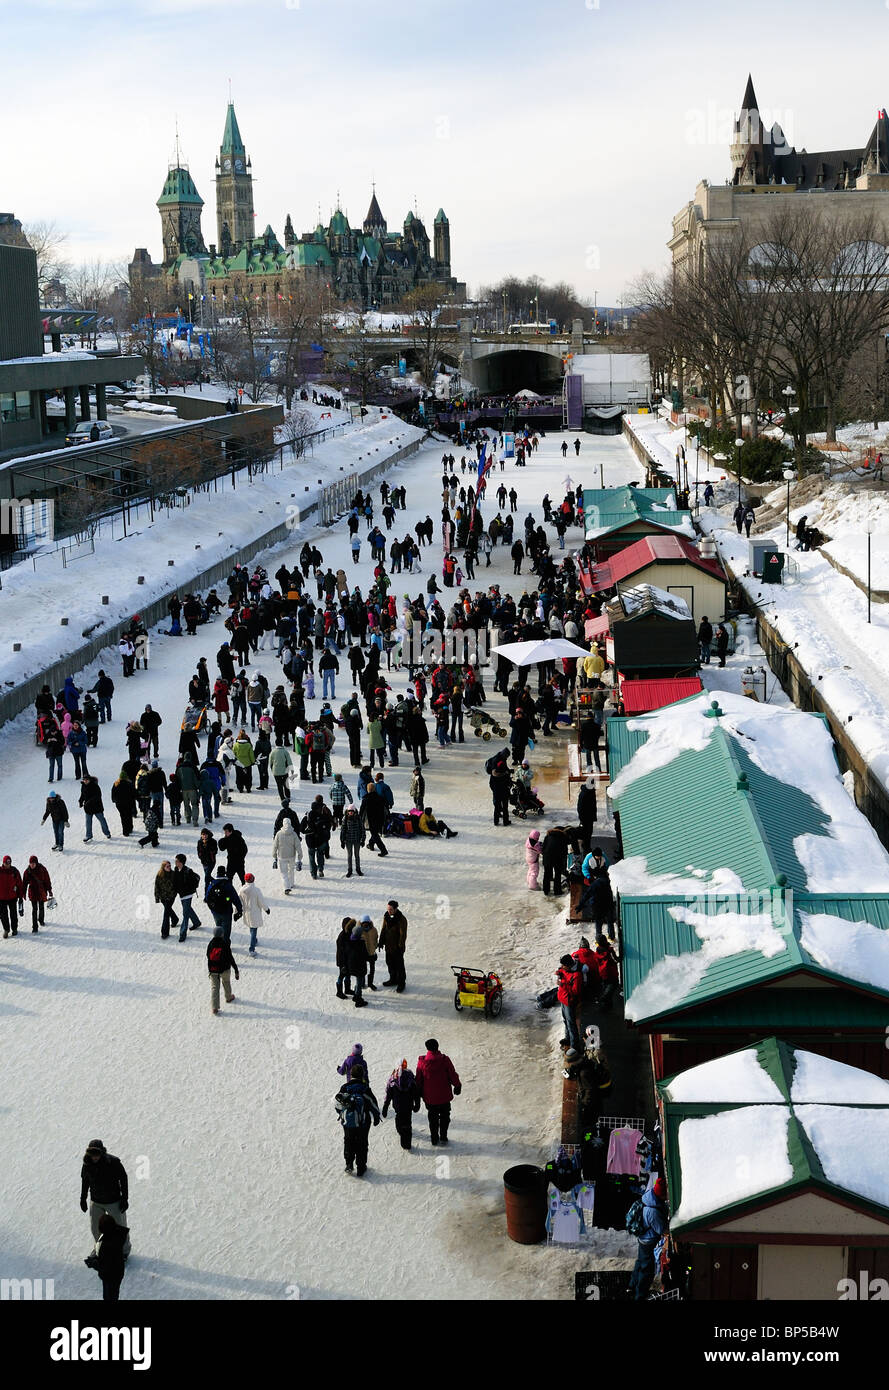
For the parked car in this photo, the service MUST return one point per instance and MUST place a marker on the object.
(82, 433)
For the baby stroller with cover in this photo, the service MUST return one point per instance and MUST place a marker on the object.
(483, 725)
(524, 800)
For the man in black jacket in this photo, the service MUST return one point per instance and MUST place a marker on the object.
(499, 782)
(103, 1177)
(232, 842)
(151, 722)
(223, 901)
(555, 860)
(374, 814)
(187, 884)
(91, 804)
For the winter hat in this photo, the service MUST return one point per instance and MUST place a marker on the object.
(535, 835)
(155, 763)
(248, 878)
(366, 918)
(7, 859)
(33, 859)
(357, 1048)
(584, 943)
(95, 1146)
(53, 794)
(660, 1189)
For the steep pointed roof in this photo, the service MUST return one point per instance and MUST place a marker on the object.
(879, 142)
(231, 136)
(749, 102)
(440, 215)
(374, 216)
(179, 187)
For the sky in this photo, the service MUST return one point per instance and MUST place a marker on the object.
(560, 137)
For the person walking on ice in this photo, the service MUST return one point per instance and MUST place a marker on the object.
(103, 1179)
(254, 905)
(220, 964)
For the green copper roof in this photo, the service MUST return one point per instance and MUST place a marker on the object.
(179, 188)
(440, 215)
(817, 1125)
(339, 225)
(308, 253)
(609, 509)
(231, 136)
(409, 219)
(653, 931)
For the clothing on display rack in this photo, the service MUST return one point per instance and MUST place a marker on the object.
(564, 1218)
(615, 1194)
(622, 1155)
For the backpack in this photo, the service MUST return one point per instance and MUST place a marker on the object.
(217, 898)
(350, 1108)
(636, 1221)
(214, 959)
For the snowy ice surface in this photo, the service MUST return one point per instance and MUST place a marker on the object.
(674, 978)
(821, 1079)
(851, 1145)
(729, 1157)
(114, 1037)
(738, 1078)
(856, 950)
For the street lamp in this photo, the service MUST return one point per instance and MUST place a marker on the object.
(738, 446)
(869, 529)
(788, 393)
(788, 476)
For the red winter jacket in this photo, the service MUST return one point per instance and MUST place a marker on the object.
(36, 883)
(570, 985)
(10, 883)
(606, 964)
(435, 1077)
(585, 956)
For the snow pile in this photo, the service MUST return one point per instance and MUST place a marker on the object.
(676, 729)
(731, 1158)
(851, 1145)
(632, 879)
(737, 1079)
(821, 1079)
(725, 934)
(855, 950)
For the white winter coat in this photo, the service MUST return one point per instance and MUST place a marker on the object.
(254, 904)
(288, 844)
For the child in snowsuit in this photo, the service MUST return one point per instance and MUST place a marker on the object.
(356, 1055)
(403, 1095)
(532, 858)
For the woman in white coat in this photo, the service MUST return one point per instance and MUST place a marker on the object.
(253, 905)
(288, 849)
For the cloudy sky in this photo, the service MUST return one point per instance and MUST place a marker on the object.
(560, 136)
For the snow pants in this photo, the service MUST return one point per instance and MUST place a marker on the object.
(355, 1147)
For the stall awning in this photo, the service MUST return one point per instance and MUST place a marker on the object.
(639, 697)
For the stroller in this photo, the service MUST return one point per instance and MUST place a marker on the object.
(524, 800)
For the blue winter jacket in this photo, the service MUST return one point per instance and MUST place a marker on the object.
(654, 1214)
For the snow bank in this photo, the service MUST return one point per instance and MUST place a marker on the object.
(730, 1157)
(738, 1079)
(855, 950)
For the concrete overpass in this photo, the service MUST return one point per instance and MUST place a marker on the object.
(500, 365)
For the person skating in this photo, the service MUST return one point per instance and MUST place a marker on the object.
(352, 836)
(187, 884)
(220, 964)
(223, 902)
(91, 804)
(356, 1107)
(288, 850)
(343, 982)
(58, 814)
(393, 941)
(165, 895)
(37, 887)
(356, 964)
(103, 1179)
(403, 1094)
(11, 897)
(438, 1083)
(254, 905)
(108, 1258)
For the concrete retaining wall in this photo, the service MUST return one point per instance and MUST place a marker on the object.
(23, 696)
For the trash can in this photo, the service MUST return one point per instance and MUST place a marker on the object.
(525, 1196)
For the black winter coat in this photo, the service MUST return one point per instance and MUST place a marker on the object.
(105, 1181)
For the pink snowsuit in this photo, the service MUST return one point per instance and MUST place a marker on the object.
(532, 858)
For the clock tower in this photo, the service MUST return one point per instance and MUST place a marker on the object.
(180, 208)
(234, 185)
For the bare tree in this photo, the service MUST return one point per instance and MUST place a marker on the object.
(296, 319)
(48, 240)
(430, 334)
